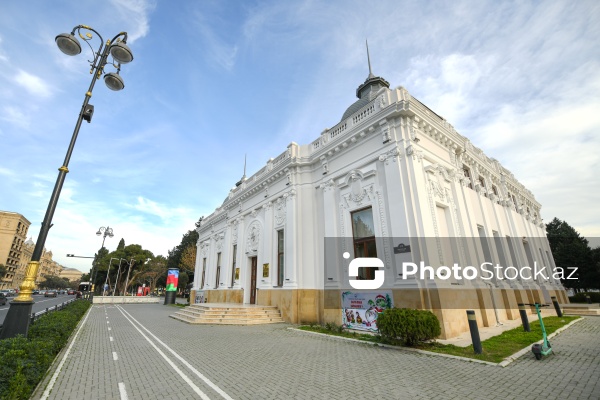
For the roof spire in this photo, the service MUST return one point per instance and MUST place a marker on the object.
(245, 154)
(369, 60)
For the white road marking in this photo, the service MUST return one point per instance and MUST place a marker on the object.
(111, 338)
(181, 359)
(115, 357)
(122, 391)
(109, 328)
(59, 367)
(179, 372)
(108, 322)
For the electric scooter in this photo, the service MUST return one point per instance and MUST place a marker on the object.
(544, 348)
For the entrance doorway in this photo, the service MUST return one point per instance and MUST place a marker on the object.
(254, 265)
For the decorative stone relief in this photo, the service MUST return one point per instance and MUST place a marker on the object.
(234, 231)
(204, 248)
(218, 238)
(324, 165)
(279, 211)
(393, 155)
(253, 238)
(327, 185)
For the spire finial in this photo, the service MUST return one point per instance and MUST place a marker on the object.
(369, 60)
(244, 165)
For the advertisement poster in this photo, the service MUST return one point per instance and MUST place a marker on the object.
(360, 309)
(172, 279)
(200, 297)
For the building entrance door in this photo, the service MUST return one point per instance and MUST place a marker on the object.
(254, 263)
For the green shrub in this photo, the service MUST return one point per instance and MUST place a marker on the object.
(24, 361)
(581, 297)
(411, 326)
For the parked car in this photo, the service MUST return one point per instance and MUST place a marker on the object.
(2, 299)
(6, 292)
(50, 293)
(36, 291)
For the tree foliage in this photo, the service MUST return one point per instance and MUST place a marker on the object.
(54, 282)
(2, 271)
(571, 250)
(126, 260)
(175, 255)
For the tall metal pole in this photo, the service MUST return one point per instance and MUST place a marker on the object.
(17, 318)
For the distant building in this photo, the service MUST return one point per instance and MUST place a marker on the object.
(71, 274)
(48, 267)
(395, 181)
(13, 232)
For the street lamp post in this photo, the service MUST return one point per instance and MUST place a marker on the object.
(17, 318)
(108, 272)
(108, 231)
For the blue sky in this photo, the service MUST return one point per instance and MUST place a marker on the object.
(213, 80)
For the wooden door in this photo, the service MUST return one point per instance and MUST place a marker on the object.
(254, 262)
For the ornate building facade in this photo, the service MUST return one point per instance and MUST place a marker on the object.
(13, 232)
(400, 184)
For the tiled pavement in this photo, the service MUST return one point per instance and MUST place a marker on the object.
(273, 362)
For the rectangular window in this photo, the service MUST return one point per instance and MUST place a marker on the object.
(217, 281)
(203, 272)
(467, 174)
(234, 258)
(280, 258)
(363, 232)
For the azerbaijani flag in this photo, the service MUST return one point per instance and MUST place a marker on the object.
(172, 279)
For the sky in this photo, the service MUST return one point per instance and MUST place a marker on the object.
(212, 81)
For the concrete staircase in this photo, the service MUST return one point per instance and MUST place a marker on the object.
(581, 309)
(228, 314)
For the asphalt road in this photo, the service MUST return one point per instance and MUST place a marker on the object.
(41, 303)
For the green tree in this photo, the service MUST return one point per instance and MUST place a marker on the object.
(175, 255)
(571, 250)
(121, 245)
(2, 271)
(54, 282)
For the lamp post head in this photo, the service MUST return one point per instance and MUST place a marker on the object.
(114, 81)
(68, 44)
(121, 52)
(98, 233)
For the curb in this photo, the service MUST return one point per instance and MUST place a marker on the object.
(502, 364)
(388, 346)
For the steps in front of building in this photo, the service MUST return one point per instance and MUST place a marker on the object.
(222, 314)
(581, 309)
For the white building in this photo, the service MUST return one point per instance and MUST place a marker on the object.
(399, 170)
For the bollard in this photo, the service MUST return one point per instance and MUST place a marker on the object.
(474, 332)
(588, 299)
(524, 319)
(557, 306)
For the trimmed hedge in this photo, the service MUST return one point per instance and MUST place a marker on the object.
(24, 361)
(411, 326)
(580, 297)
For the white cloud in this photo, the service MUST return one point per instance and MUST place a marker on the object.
(162, 211)
(15, 116)
(33, 84)
(136, 14)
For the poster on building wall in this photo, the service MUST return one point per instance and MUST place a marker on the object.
(360, 309)
(200, 297)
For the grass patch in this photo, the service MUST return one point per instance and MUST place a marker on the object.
(495, 349)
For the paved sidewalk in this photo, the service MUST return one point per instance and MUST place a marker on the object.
(152, 356)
